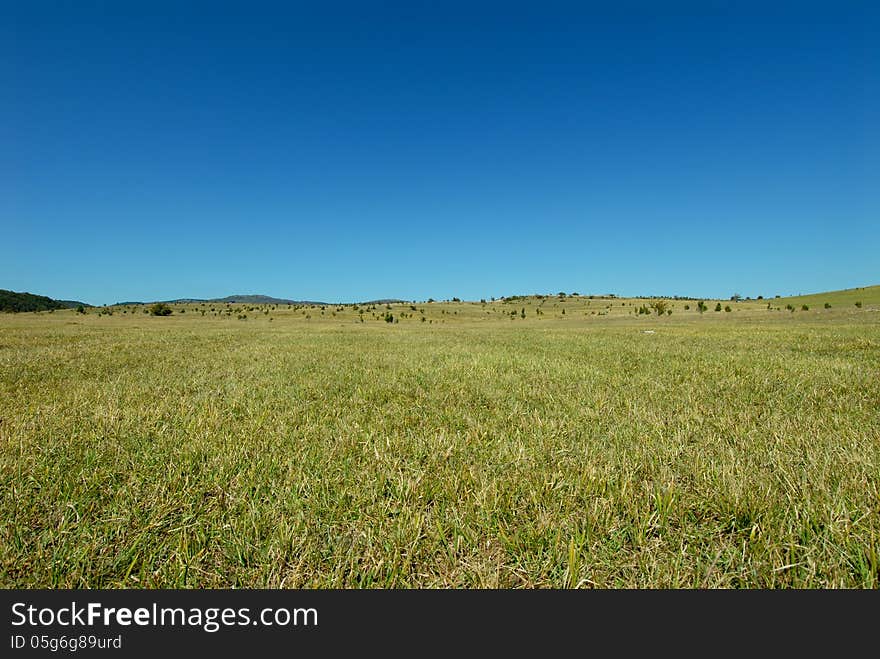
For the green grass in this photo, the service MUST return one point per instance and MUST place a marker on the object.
(595, 448)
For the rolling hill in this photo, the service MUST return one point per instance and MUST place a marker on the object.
(867, 295)
(14, 302)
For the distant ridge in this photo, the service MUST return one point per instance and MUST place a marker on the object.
(385, 301)
(257, 299)
(11, 301)
(232, 299)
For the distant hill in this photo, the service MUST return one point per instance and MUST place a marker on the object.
(386, 301)
(10, 301)
(233, 299)
(260, 299)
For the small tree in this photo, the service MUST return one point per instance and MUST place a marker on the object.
(160, 309)
(718, 307)
(701, 306)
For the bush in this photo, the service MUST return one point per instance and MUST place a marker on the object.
(701, 306)
(660, 306)
(718, 307)
(80, 309)
(859, 305)
(804, 307)
(160, 309)
(687, 307)
(727, 308)
(827, 306)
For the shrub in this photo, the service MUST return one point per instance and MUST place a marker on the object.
(80, 309)
(718, 307)
(859, 305)
(804, 307)
(660, 306)
(827, 306)
(701, 306)
(727, 308)
(160, 309)
(687, 307)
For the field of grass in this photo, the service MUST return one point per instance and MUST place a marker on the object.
(496, 444)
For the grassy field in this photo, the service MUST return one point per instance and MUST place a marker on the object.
(530, 442)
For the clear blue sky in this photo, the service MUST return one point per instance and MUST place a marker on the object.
(349, 151)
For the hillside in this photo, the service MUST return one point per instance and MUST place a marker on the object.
(11, 301)
(867, 295)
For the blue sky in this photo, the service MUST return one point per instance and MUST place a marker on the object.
(349, 151)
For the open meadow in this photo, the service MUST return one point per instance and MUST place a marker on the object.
(553, 441)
